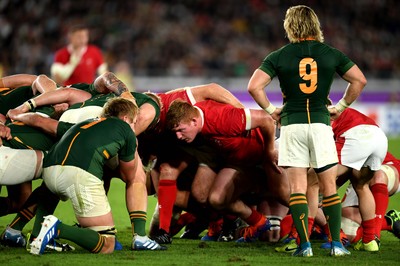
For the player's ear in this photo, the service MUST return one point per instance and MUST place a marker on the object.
(125, 118)
(195, 120)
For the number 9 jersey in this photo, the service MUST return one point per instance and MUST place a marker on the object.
(306, 71)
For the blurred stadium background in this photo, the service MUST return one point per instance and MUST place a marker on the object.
(160, 45)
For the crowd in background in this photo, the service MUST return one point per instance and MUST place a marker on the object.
(193, 38)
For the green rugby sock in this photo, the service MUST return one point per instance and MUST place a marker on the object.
(138, 221)
(332, 208)
(84, 237)
(299, 209)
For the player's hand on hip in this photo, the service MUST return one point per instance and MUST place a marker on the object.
(333, 112)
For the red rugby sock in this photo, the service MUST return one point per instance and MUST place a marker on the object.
(381, 197)
(167, 191)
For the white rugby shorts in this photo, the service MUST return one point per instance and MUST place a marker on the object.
(364, 146)
(350, 197)
(307, 145)
(78, 115)
(85, 190)
(17, 165)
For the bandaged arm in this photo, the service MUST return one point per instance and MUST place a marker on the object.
(61, 72)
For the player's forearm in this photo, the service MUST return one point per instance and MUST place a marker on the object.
(261, 98)
(357, 82)
(51, 97)
(268, 131)
(43, 84)
(57, 96)
(29, 119)
(46, 124)
(259, 119)
(214, 92)
(229, 98)
(256, 88)
(17, 80)
(108, 82)
(61, 72)
(218, 93)
(353, 91)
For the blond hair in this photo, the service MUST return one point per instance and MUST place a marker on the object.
(117, 107)
(301, 23)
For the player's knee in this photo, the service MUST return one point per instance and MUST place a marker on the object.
(168, 172)
(360, 187)
(283, 194)
(379, 178)
(216, 201)
(200, 196)
(349, 227)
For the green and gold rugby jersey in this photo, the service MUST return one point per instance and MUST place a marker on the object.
(100, 100)
(89, 144)
(11, 98)
(26, 137)
(97, 100)
(305, 71)
(141, 99)
(88, 87)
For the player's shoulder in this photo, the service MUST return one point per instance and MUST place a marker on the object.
(62, 52)
(93, 48)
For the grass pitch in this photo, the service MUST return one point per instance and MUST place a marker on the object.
(193, 252)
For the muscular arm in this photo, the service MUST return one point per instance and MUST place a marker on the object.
(357, 82)
(47, 125)
(43, 84)
(61, 72)
(215, 92)
(108, 82)
(145, 117)
(39, 83)
(260, 119)
(62, 95)
(256, 88)
(17, 80)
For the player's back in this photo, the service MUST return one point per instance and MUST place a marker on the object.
(350, 118)
(90, 143)
(306, 71)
